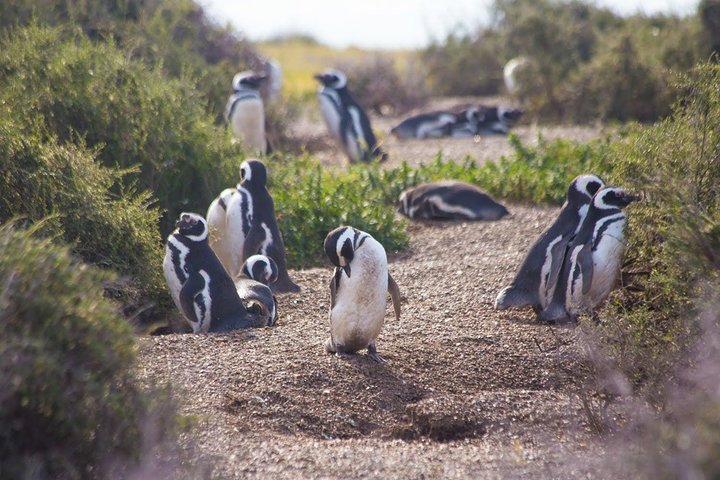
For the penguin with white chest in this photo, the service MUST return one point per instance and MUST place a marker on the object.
(593, 259)
(217, 224)
(358, 291)
(346, 120)
(245, 111)
(252, 226)
(537, 276)
(449, 200)
(252, 285)
(198, 283)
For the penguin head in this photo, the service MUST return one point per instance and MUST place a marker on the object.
(509, 114)
(192, 226)
(333, 79)
(248, 80)
(583, 189)
(608, 198)
(404, 202)
(261, 269)
(475, 115)
(340, 246)
(253, 172)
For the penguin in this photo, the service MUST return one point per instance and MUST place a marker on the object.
(358, 291)
(245, 111)
(468, 122)
(593, 258)
(511, 73)
(496, 119)
(537, 276)
(217, 224)
(346, 120)
(426, 125)
(252, 226)
(252, 283)
(198, 283)
(449, 200)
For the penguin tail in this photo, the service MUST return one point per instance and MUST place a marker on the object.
(511, 297)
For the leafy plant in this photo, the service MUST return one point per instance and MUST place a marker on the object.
(71, 405)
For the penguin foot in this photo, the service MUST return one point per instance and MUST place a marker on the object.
(372, 353)
(330, 346)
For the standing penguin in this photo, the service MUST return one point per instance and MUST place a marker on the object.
(252, 283)
(245, 111)
(217, 224)
(358, 291)
(198, 283)
(346, 120)
(252, 226)
(593, 259)
(537, 277)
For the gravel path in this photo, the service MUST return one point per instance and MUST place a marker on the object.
(467, 392)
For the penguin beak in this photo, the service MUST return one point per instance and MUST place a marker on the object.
(347, 270)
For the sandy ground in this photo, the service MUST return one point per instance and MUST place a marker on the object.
(466, 391)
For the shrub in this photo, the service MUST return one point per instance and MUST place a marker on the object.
(85, 205)
(310, 201)
(130, 114)
(595, 92)
(466, 64)
(378, 85)
(71, 406)
(674, 235)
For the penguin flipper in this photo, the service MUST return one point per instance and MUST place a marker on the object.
(557, 253)
(193, 285)
(584, 260)
(334, 285)
(253, 241)
(395, 295)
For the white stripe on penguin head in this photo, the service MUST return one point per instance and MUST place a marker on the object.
(245, 171)
(204, 234)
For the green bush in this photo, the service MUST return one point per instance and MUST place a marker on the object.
(71, 406)
(595, 92)
(310, 201)
(85, 205)
(674, 234)
(83, 92)
(378, 85)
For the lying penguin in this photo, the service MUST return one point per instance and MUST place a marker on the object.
(358, 291)
(449, 200)
(535, 280)
(252, 285)
(467, 122)
(593, 259)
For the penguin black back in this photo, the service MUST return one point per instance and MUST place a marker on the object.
(264, 236)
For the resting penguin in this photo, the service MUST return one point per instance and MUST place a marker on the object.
(252, 283)
(252, 226)
(346, 120)
(449, 200)
(426, 125)
(198, 283)
(497, 120)
(245, 111)
(358, 291)
(217, 224)
(537, 277)
(593, 259)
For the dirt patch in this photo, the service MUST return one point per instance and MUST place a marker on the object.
(466, 391)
